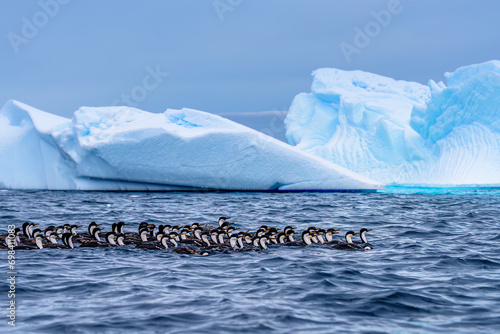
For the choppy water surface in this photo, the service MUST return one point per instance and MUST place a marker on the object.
(435, 266)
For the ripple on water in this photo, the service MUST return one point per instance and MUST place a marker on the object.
(435, 266)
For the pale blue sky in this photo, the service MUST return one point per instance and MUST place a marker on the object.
(257, 58)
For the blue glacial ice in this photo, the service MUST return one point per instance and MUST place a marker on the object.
(399, 132)
(122, 148)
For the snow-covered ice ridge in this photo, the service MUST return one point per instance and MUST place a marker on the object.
(122, 148)
(404, 132)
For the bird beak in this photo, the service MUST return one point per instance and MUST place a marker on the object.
(370, 229)
(98, 224)
(36, 224)
(356, 233)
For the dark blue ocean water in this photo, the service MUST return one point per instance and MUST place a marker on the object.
(435, 266)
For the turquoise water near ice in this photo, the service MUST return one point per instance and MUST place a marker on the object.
(435, 266)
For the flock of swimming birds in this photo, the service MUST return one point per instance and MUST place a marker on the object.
(189, 239)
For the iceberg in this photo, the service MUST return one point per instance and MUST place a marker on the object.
(122, 148)
(399, 132)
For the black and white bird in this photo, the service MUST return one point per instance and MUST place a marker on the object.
(349, 244)
(307, 239)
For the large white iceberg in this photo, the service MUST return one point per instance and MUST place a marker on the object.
(404, 132)
(122, 148)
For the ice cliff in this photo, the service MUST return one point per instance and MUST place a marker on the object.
(404, 132)
(122, 148)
